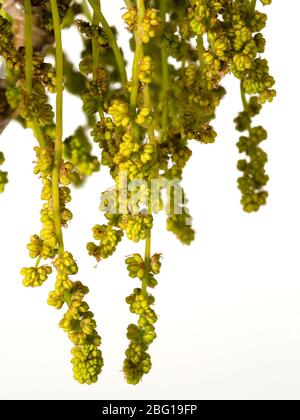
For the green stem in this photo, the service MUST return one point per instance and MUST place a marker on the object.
(172, 201)
(95, 44)
(141, 8)
(139, 51)
(244, 98)
(147, 258)
(29, 47)
(96, 53)
(147, 262)
(165, 71)
(28, 67)
(200, 48)
(59, 127)
(245, 104)
(37, 264)
(38, 133)
(138, 55)
(113, 43)
(165, 88)
(252, 6)
(86, 11)
(148, 104)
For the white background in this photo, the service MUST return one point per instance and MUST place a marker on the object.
(228, 306)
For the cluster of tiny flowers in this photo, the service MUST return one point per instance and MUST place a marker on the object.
(77, 149)
(43, 168)
(254, 177)
(150, 25)
(33, 109)
(35, 276)
(234, 44)
(108, 238)
(78, 322)
(180, 225)
(140, 336)
(142, 125)
(146, 70)
(236, 41)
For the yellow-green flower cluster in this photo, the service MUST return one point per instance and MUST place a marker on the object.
(45, 245)
(136, 226)
(146, 70)
(140, 336)
(136, 265)
(35, 276)
(236, 44)
(180, 225)
(33, 105)
(119, 110)
(144, 117)
(77, 149)
(254, 177)
(151, 25)
(129, 18)
(108, 238)
(122, 151)
(78, 322)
